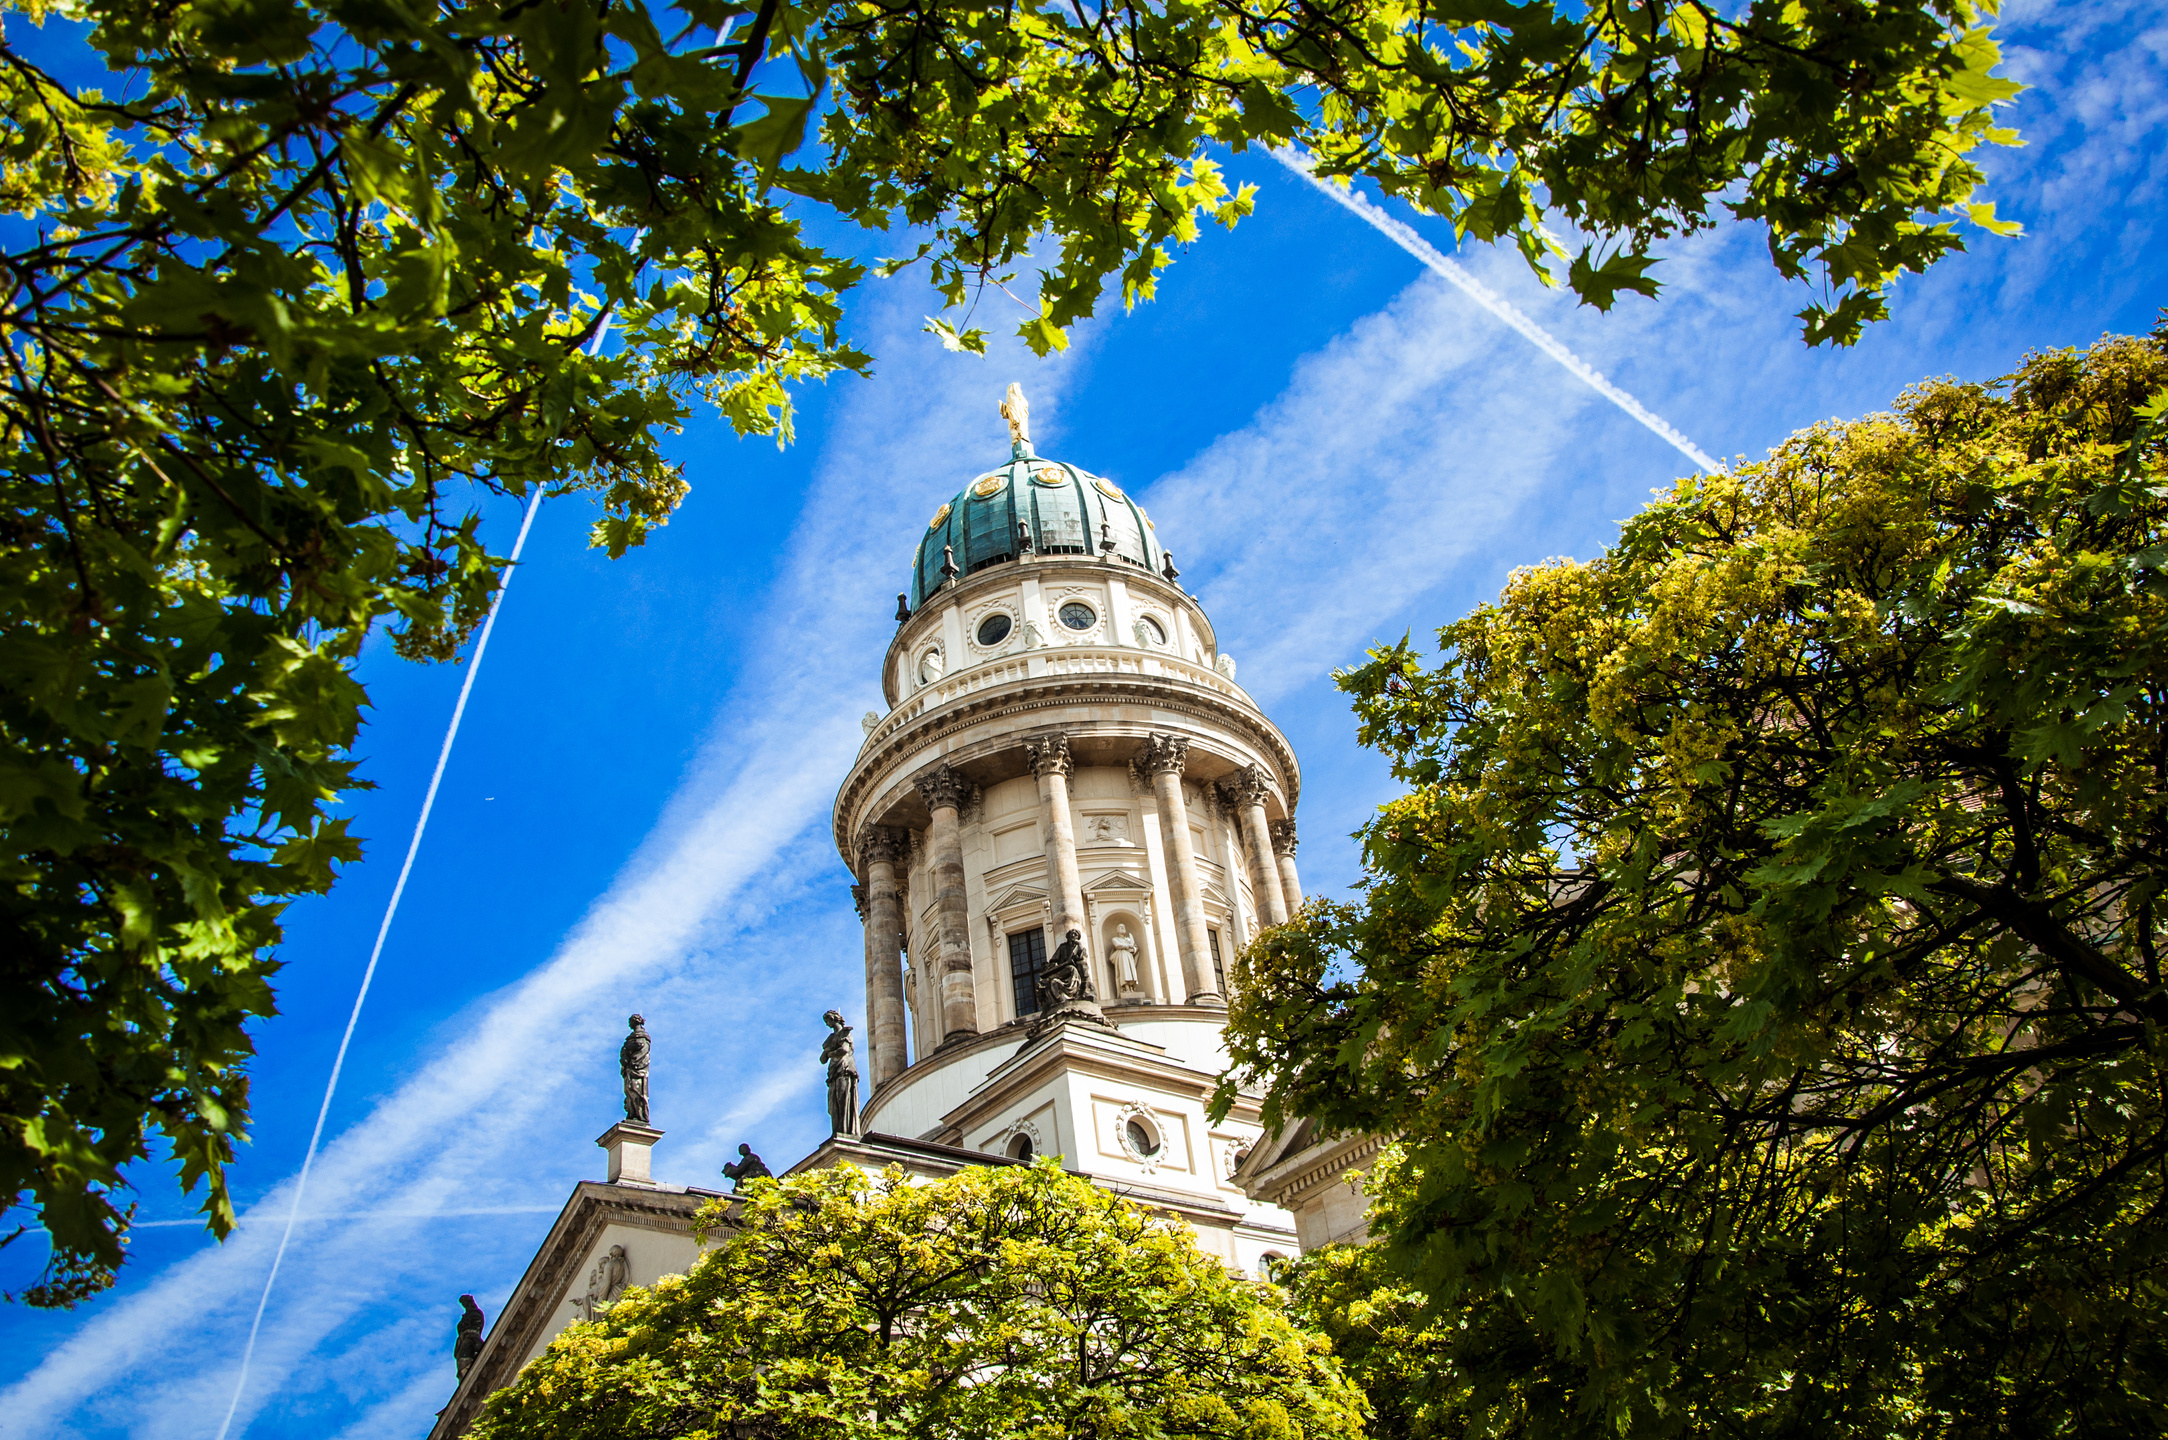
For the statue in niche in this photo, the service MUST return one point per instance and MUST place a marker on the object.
(747, 1166)
(1067, 978)
(1124, 954)
(632, 1058)
(839, 1054)
(467, 1339)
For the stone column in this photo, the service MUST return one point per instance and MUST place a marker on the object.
(1051, 763)
(1283, 849)
(1164, 757)
(1248, 790)
(944, 794)
(878, 847)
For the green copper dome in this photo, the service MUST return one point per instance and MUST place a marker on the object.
(1046, 506)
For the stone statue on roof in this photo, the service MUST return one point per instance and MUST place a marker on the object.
(467, 1339)
(838, 1055)
(748, 1167)
(632, 1063)
(1017, 411)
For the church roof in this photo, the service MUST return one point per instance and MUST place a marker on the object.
(1068, 511)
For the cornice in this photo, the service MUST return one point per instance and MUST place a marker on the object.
(1049, 692)
(1017, 1032)
(1300, 1175)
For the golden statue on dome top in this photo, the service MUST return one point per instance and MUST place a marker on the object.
(1017, 411)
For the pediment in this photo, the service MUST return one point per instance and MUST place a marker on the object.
(1016, 895)
(1116, 881)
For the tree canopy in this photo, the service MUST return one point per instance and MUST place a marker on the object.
(1003, 1301)
(314, 276)
(1761, 973)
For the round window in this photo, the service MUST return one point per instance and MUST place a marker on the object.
(1079, 616)
(1154, 629)
(994, 629)
(1141, 1139)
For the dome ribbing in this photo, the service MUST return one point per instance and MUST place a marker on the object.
(1062, 509)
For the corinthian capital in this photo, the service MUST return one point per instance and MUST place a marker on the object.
(1049, 756)
(943, 787)
(1283, 836)
(1251, 786)
(878, 843)
(1165, 754)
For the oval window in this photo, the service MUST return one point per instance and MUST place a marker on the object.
(994, 629)
(1156, 631)
(1020, 1148)
(1079, 616)
(1141, 1139)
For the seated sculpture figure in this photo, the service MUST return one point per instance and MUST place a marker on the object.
(1067, 977)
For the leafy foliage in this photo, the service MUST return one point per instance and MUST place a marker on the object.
(1762, 971)
(1844, 130)
(322, 273)
(329, 273)
(1395, 1348)
(1003, 1301)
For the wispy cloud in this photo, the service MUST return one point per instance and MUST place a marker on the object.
(693, 919)
(1399, 451)
(1497, 306)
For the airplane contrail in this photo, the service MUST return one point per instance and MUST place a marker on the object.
(1405, 237)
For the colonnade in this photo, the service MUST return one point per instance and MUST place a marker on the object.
(1269, 850)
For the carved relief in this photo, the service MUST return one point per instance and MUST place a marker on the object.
(1283, 836)
(1104, 830)
(605, 1283)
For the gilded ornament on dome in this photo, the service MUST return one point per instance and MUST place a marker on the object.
(1108, 488)
(986, 486)
(1017, 411)
(938, 516)
(1051, 475)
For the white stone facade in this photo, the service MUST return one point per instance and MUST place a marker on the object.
(1064, 749)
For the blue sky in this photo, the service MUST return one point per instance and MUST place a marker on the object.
(1337, 448)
